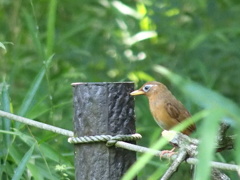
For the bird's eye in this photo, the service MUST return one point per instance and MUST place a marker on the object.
(147, 88)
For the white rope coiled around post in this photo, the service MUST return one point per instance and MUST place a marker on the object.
(111, 140)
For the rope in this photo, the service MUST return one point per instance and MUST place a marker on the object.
(35, 123)
(111, 140)
(116, 140)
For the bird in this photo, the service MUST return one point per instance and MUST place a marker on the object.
(165, 108)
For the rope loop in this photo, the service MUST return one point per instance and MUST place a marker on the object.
(110, 140)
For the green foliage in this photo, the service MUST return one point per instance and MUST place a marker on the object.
(20, 169)
(97, 41)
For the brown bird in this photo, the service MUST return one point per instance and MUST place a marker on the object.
(165, 108)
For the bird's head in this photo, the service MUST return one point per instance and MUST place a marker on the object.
(150, 88)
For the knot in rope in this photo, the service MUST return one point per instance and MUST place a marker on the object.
(111, 140)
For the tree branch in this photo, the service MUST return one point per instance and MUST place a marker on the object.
(173, 168)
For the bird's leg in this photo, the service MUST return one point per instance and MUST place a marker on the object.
(168, 152)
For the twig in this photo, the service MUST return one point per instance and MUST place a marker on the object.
(218, 175)
(218, 165)
(224, 142)
(192, 161)
(191, 145)
(182, 141)
(173, 168)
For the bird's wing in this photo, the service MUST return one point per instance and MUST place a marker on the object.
(179, 115)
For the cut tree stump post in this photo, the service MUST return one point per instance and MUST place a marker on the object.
(102, 109)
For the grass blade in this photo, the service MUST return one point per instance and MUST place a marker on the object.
(208, 135)
(6, 107)
(20, 169)
(3, 47)
(33, 28)
(33, 89)
(143, 160)
(51, 26)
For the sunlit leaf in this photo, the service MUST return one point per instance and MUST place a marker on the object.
(143, 35)
(124, 9)
(3, 47)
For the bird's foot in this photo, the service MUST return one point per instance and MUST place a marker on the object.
(168, 152)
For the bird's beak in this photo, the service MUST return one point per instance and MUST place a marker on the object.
(137, 92)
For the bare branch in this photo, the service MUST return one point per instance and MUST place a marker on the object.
(173, 168)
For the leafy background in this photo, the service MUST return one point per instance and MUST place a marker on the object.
(47, 45)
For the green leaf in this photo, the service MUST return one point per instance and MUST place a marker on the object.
(127, 10)
(51, 26)
(237, 145)
(34, 32)
(8, 132)
(15, 153)
(143, 160)
(21, 167)
(40, 172)
(50, 153)
(6, 107)
(206, 149)
(3, 47)
(33, 89)
(36, 172)
(198, 39)
(29, 140)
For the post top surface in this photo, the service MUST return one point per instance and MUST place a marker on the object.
(98, 83)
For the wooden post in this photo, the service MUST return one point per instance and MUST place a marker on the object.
(102, 109)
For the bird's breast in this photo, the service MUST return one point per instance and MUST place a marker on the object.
(161, 116)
